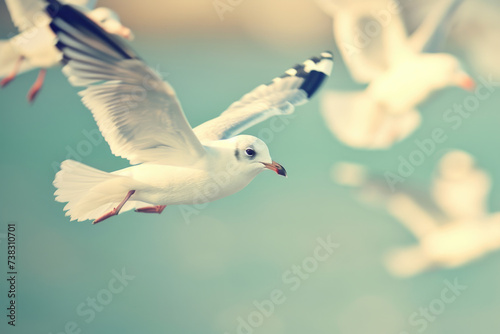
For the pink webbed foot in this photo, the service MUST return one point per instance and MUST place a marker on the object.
(37, 85)
(116, 210)
(152, 209)
(110, 214)
(5, 81)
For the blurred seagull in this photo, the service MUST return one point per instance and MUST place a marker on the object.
(475, 32)
(453, 227)
(142, 120)
(467, 232)
(460, 189)
(34, 46)
(402, 71)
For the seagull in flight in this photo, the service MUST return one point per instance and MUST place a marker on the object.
(451, 222)
(464, 231)
(142, 120)
(475, 31)
(34, 46)
(401, 71)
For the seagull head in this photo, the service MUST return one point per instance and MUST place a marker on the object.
(110, 21)
(464, 81)
(252, 155)
(456, 165)
(454, 72)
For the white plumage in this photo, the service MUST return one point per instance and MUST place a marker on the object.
(142, 120)
(34, 46)
(401, 71)
(452, 229)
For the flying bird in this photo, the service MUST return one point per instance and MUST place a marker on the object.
(451, 223)
(475, 32)
(401, 71)
(34, 46)
(172, 163)
(469, 230)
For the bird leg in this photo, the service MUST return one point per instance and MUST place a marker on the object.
(152, 209)
(116, 210)
(37, 85)
(12, 74)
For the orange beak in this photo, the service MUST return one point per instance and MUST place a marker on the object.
(126, 33)
(274, 166)
(467, 83)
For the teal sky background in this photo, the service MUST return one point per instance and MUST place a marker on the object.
(199, 276)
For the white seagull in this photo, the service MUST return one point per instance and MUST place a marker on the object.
(475, 32)
(141, 119)
(34, 46)
(452, 227)
(401, 71)
(465, 231)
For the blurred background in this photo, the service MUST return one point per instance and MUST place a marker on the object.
(203, 272)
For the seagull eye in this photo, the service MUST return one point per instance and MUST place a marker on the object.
(250, 152)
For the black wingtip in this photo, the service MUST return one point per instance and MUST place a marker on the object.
(314, 71)
(323, 55)
(86, 26)
(318, 72)
(313, 82)
(53, 7)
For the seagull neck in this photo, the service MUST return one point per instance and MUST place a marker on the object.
(217, 152)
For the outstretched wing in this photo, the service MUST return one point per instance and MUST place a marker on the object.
(279, 97)
(26, 14)
(369, 43)
(137, 113)
(430, 35)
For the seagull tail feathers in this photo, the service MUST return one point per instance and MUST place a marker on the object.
(89, 192)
